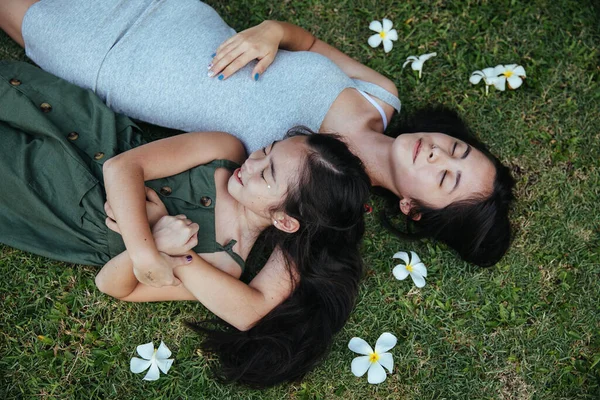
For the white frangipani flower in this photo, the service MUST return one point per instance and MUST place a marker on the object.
(490, 77)
(512, 74)
(385, 34)
(373, 361)
(155, 359)
(413, 267)
(417, 62)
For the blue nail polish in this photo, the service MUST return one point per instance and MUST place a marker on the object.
(213, 55)
(221, 77)
(256, 76)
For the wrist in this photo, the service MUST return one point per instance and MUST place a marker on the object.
(276, 30)
(144, 260)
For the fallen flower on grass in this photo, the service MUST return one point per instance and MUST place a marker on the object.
(512, 74)
(417, 62)
(490, 77)
(373, 361)
(413, 267)
(155, 359)
(385, 34)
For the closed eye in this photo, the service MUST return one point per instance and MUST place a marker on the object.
(454, 147)
(443, 177)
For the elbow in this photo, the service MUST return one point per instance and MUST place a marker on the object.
(105, 287)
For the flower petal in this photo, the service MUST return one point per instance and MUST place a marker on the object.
(387, 45)
(146, 350)
(360, 365)
(387, 25)
(414, 259)
(376, 374)
(475, 79)
(419, 269)
(359, 346)
(514, 81)
(498, 70)
(385, 342)
(392, 35)
(500, 83)
(403, 256)
(510, 67)
(375, 40)
(400, 272)
(426, 57)
(387, 361)
(153, 373)
(408, 60)
(137, 365)
(163, 351)
(164, 365)
(376, 26)
(519, 71)
(418, 280)
(417, 65)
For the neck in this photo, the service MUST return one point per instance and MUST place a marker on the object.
(244, 226)
(375, 151)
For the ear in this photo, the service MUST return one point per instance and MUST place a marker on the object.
(405, 206)
(285, 223)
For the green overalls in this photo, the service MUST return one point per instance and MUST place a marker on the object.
(54, 138)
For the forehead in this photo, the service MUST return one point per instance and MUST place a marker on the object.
(288, 157)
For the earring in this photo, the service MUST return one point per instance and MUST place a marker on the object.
(274, 222)
(268, 186)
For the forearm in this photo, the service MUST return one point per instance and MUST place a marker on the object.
(116, 278)
(125, 192)
(293, 37)
(227, 297)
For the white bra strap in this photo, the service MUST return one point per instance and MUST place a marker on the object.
(377, 106)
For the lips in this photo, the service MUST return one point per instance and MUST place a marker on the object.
(417, 149)
(237, 174)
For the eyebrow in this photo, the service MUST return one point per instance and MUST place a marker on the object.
(467, 151)
(458, 175)
(271, 162)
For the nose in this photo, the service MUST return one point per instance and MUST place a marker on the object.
(253, 164)
(437, 155)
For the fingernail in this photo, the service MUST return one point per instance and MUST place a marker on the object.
(188, 258)
(210, 74)
(256, 76)
(221, 77)
(210, 65)
(213, 55)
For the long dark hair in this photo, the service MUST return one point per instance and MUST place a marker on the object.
(479, 228)
(324, 254)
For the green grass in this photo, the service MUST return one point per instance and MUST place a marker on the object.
(528, 328)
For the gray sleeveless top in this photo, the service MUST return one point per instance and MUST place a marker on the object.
(148, 59)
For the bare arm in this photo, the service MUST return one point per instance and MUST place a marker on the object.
(262, 41)
(124, 177)
(235, 302)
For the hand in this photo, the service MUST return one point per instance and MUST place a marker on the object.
(175, 235)
(161, 272)
(260, 42)
(155, 210)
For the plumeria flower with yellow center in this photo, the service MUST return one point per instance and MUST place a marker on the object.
(155, 359)
(417, 62)
(413, 267)
(512, 74)
(489, 76)
(385, 34)
(373, 361)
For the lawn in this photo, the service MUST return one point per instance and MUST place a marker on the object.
(527, 328)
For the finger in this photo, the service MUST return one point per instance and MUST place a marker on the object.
(237, 64)
(226, 43)
(219, 66)
(112, 225)
(262, 66)
(152, 196)
(180, 216)
(192, 242)
(176, 282)
(194, 228)
(108, 210)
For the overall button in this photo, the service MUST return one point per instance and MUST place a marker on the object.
(99, 155)
(73, 136)
(45, 107)
(165, 190)
(15, 82)
(205, 201)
